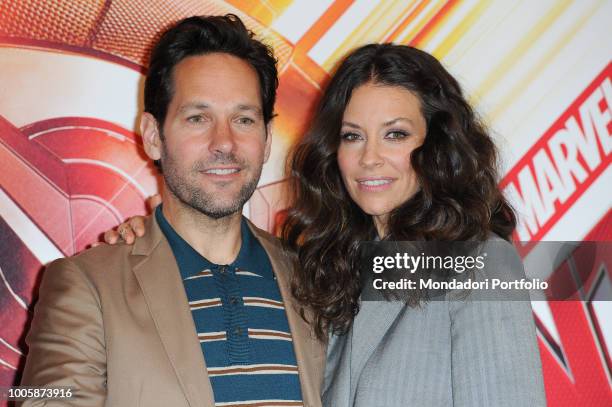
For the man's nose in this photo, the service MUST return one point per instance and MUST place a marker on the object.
(222, 138)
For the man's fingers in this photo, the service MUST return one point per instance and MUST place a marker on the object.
(126, 233)
(137, 225)
(111, 237)
(129, 237)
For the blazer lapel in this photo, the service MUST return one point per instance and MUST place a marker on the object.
(157, 273)
(337, 386)
(369, 328)
(309, 351)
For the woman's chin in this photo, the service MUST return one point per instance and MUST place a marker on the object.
(376, 211)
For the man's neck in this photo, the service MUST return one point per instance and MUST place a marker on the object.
(218, 240)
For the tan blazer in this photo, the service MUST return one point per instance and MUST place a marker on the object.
(113, 322)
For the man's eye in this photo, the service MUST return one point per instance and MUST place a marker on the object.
(350, 136)
(195, 119)
(245, 120)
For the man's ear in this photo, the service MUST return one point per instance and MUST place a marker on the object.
(151, 138)
(268, 141)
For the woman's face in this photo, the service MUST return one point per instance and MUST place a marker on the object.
(381, 126)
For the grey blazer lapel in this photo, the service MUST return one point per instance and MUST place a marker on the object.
(337, 384)
(157, 273)
(369, 328)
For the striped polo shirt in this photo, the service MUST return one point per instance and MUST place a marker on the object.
(241, 323)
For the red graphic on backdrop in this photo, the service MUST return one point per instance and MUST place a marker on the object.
(69, 179)
(577, 369)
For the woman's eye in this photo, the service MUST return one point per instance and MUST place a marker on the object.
(396, 135)
(350, 136)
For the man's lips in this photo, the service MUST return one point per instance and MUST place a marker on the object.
(221, 171)
(375, 183)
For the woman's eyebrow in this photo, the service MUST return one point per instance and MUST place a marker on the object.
(349, 124)
(398, 119)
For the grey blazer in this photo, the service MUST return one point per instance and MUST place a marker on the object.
(460, 353)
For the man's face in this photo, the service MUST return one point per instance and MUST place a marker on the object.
(214, 140)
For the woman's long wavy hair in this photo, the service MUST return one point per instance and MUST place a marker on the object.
(456, 167)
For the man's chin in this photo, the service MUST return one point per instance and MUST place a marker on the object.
(214, 201)
(221, 211)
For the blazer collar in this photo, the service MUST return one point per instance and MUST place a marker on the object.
(309, 352)
(156, 270)
(144, 245)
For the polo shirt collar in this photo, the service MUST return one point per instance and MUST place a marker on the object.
(189, 261)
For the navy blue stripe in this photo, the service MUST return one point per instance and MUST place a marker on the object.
(256, 387)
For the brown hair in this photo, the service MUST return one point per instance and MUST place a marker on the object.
(456, 167)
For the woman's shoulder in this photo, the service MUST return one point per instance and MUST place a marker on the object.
(494, 238)
(500, 252)
(499, 274)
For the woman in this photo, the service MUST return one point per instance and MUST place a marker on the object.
(396, 153)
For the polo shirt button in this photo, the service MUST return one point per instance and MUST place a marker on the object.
(234, 300)
(238, 331)
(222, 270)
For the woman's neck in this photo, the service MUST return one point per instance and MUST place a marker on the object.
(381, 223)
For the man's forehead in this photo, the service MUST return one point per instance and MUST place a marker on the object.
(217, 64)
(216, 77)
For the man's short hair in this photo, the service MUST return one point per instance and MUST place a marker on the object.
(202, 35)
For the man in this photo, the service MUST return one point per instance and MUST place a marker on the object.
(197, 312)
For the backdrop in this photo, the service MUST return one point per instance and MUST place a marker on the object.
(72, 165)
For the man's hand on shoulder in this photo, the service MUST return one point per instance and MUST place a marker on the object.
(134, 227)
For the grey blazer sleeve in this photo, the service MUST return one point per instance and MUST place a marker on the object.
(494, 355)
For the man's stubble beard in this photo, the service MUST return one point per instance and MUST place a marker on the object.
(195, 197)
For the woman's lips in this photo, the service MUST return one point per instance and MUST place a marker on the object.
(375, 183)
